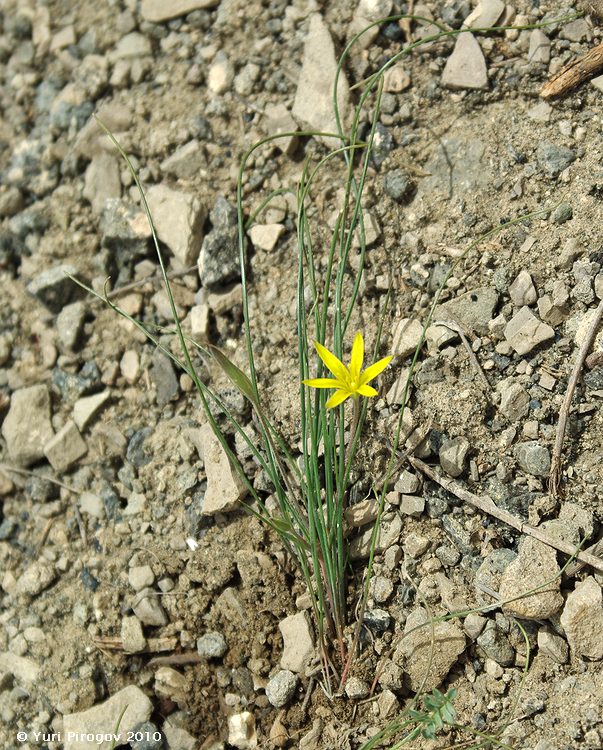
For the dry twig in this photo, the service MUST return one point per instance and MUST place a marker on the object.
(579, 70)
(555, 475)
(487, 505)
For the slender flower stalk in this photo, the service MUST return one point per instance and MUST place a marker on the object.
(348, 381)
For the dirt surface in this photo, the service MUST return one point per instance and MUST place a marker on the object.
(114, 504)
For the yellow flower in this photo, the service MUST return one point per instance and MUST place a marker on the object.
(349, 381)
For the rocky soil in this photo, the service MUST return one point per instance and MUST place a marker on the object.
(136, 596)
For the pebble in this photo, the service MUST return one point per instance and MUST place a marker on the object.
(65, 448)
(514, 400)
(241, 731)
(298, 645)
(148, 608)
(582, 619)
(562, 213)
(277, 120)
(129, 366)
(146, 736)
(187, 162)
(490, 571)
(132, 637)
(407, 335)
(399, 186)
(366, 13)
(34, 579)
(378, 620)
(69, 325)
(132, 45)
(218, 262)
(225, 488)
(313, 105)
(428, 653)
(53, 288)
(553, 646)
(453, 455)
(485, 15)
(412, 505)
(466, 66)
(554, 159)
(535, 565)
(522, 291)
(102, 182)
(164, 378)
(86, 408)
(533, 458)
(474, 625)
(389, 533)
(553, 308)
(266, 236)
(356, 689)
(381, 589)
(415, 545)
(91, 504)
(473, 310)
(495, 644)
(220, 75)
(408, 483)
(539, 51)
(141, 576)
(396, 79)
(281, 688)
(157, 11)
(27, 427)
(211, 645)
(524, 331)
(179, 217)
(126, 709)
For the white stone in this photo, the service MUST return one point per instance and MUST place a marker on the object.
(266, 236)
(407, 336)
(127, 708)
(313, 106)
(86, 408)
(65, 448)
(102, 181)
(187, 162)
(179, 219)
(27, 427)
(132, 45)
(241, 731)
(298, 644)
(277, 120)
(220, 75)
(522, 291)
(157, 11)
(524, 331)
(129, 365)
(466, 66)
(582, 619)
(540, 47)
(225, 489)
(485, 15)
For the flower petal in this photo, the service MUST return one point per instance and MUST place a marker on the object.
(322, 383)
(337, 398)
(366, 390)
(357, 357)
(334, 365)
(374, 370)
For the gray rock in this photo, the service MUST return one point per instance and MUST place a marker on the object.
(126, 709)
(428, 653)
(157, 11)
(554, 159)
(407, 483)
(11, 202)
(298, 644)
(407, 335)
(27, 427)
(211, 645)
(398, 185)
(412, 505)
(514, 400)
(553, 308)
(132, 45)
(534, 566)
(86, 408)
(102, 181)
(552, 645)
(522, 291)
(383, 144)
(187, 162)
(562, 213)
(225, 488)
(164, 378)
(378, 620)
(524, 331)
(539, 52)
(473, 310)
(132, 637)
(125, 232)
(147, 736)
(179, 219)
(34, 579)
(65, 448)
(533, 458)
(53, 288)
(219, 257)
(313, 105)
(141, 576)
(466, 66)
(278, 119)
(490, 572)
(474, 625)
(147, 607)
(356, 689)
(453, 455)
(381, 589)
(485, 15)
(448, 556)
(582, 619)
(281, 688)
(495, 644)
(70, 322)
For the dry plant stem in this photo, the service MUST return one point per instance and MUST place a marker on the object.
(594, 549)
(555, 475)
(487, 505)
(579, 70)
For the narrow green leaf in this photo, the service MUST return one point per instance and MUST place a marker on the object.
(236, 376)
